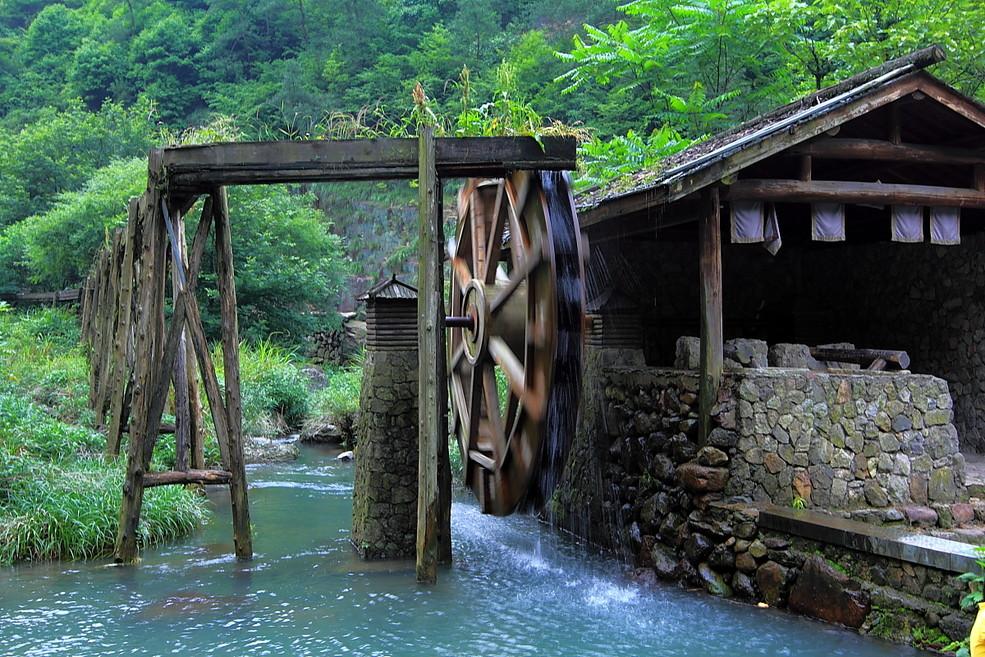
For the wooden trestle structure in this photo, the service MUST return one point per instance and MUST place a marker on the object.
(138, 356)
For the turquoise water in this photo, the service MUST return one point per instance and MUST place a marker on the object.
(516, 589)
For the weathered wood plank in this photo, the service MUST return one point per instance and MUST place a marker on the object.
(121, 371)
(900, 359)
(178, 477)
(880, 150)
(799, 191)
(225, 274)
(199, 167)
(431, 376)
(710, 265)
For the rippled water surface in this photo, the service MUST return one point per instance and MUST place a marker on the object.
(515, 589)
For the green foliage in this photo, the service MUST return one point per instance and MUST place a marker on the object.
(60, 150)
(275, 391)
(55, 249)
(289, 267)
(59, 497)
(975, 581)
(799, 503)
(338, 402)
(601, 161)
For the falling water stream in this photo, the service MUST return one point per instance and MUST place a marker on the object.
(516, 589)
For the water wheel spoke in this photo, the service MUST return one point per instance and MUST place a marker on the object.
(495, 242)
(516, 375)
(478, 215)
(483, 460)
(462, 274)
(474, 406)
(534, 260)
(495, 420)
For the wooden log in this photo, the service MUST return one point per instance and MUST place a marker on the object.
(196, 168)
(110, 321)
(121, 372)
(430, 377)
(799, 191)
(151, 241)
(880, 150)
(179, 377)
(178, 477)
(900, 359)
(225, 274)
(711, 357)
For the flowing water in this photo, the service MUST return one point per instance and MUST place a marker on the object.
(516, 589)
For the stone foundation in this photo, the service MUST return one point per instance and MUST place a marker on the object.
(863, 445)
(384, 498)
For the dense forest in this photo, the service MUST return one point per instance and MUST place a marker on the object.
(87, 86)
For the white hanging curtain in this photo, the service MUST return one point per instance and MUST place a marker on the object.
(907, 223)
(945, 226)
(747, 222)
(771, 231)
(828, 222)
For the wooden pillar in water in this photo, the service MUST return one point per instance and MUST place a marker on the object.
(230, 357)
(432, 396)
(710, 265)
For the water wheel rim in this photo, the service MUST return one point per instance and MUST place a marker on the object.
(502, 448)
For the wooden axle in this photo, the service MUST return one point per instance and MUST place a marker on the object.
(177, 477)
(900, 359)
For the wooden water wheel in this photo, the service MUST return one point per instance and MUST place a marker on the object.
(516, 336)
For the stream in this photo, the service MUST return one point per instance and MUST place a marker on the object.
(516, 588)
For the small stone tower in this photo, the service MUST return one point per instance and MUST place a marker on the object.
(384, 500)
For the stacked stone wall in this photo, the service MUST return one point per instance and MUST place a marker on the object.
(638, 484)
(384, 504)
(927, 300)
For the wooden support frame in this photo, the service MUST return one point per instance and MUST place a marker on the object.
(154, 352)
(800, 191)
(712, 346)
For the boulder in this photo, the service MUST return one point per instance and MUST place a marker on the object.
(701, 478)
(697, 547)
(745, 352)
(771, 579)
(723, 438)
(722, 559)
(315, 376)
(822, 592)
(687, 355)
(743, 586)
(321, 432)
(712, 456)
(784, 354)
(874, 493)
(270, 450)
(745, 562)
(963, 513)
(664, 562)
(713, 582)
(345, 456)
(920, 516)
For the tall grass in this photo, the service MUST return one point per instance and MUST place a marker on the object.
(59, 498)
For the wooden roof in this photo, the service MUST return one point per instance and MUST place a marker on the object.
(721, 158)
(392, 288)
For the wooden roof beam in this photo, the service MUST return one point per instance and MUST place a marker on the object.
(878, 149)
(195, 168)
(832, 191)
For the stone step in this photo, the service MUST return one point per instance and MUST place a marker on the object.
(894, 542)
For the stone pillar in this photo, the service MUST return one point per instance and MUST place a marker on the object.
(384, 498)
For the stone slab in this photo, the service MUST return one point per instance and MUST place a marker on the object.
(894, 543)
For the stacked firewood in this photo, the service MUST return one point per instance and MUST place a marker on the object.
(340, 346)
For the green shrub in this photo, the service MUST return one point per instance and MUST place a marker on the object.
(274, 390)
(338, 402)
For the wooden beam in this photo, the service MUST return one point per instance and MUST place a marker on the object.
(861, 356)
(121, 371)
(178, 477)
(179, 377)
(710, 265)
(193, 168)
(878, 149)
(226, 277)
(431, 352)
(832, 191)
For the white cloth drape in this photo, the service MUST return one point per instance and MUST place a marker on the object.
(907, 223)
(747, 222)
(828, 222)
(945, 225)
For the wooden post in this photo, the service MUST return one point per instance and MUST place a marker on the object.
(146, 367)
(121, 370)
(431, 355)
(182, 412)
(230, 358)
(710, 262)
